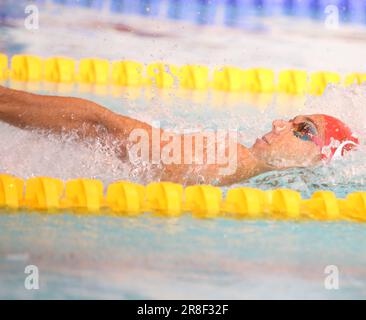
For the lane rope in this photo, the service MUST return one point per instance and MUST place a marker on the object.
(169, 199)
(94, 71)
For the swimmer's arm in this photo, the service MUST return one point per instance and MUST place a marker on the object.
(62, 114)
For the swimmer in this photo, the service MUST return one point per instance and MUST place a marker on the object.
(303, 141)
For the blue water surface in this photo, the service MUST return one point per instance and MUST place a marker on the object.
(151, 257)
(103, 256)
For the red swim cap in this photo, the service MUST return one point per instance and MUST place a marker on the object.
(337, 138)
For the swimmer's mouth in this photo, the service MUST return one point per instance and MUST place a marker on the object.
(265, 139)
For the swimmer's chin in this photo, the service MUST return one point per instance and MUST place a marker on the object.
(282, 164)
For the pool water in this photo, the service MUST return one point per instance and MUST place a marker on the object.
(185, 258)
(152, 257)
(97, 256)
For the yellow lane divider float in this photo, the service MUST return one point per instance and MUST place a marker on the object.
(130, 73)
(172, 200)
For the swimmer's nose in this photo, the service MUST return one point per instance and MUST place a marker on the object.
(278, 126)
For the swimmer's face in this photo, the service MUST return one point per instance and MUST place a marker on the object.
(291, 143)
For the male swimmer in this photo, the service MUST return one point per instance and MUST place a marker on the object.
(300, 142)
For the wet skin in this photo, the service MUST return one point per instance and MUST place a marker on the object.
(283, 147)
